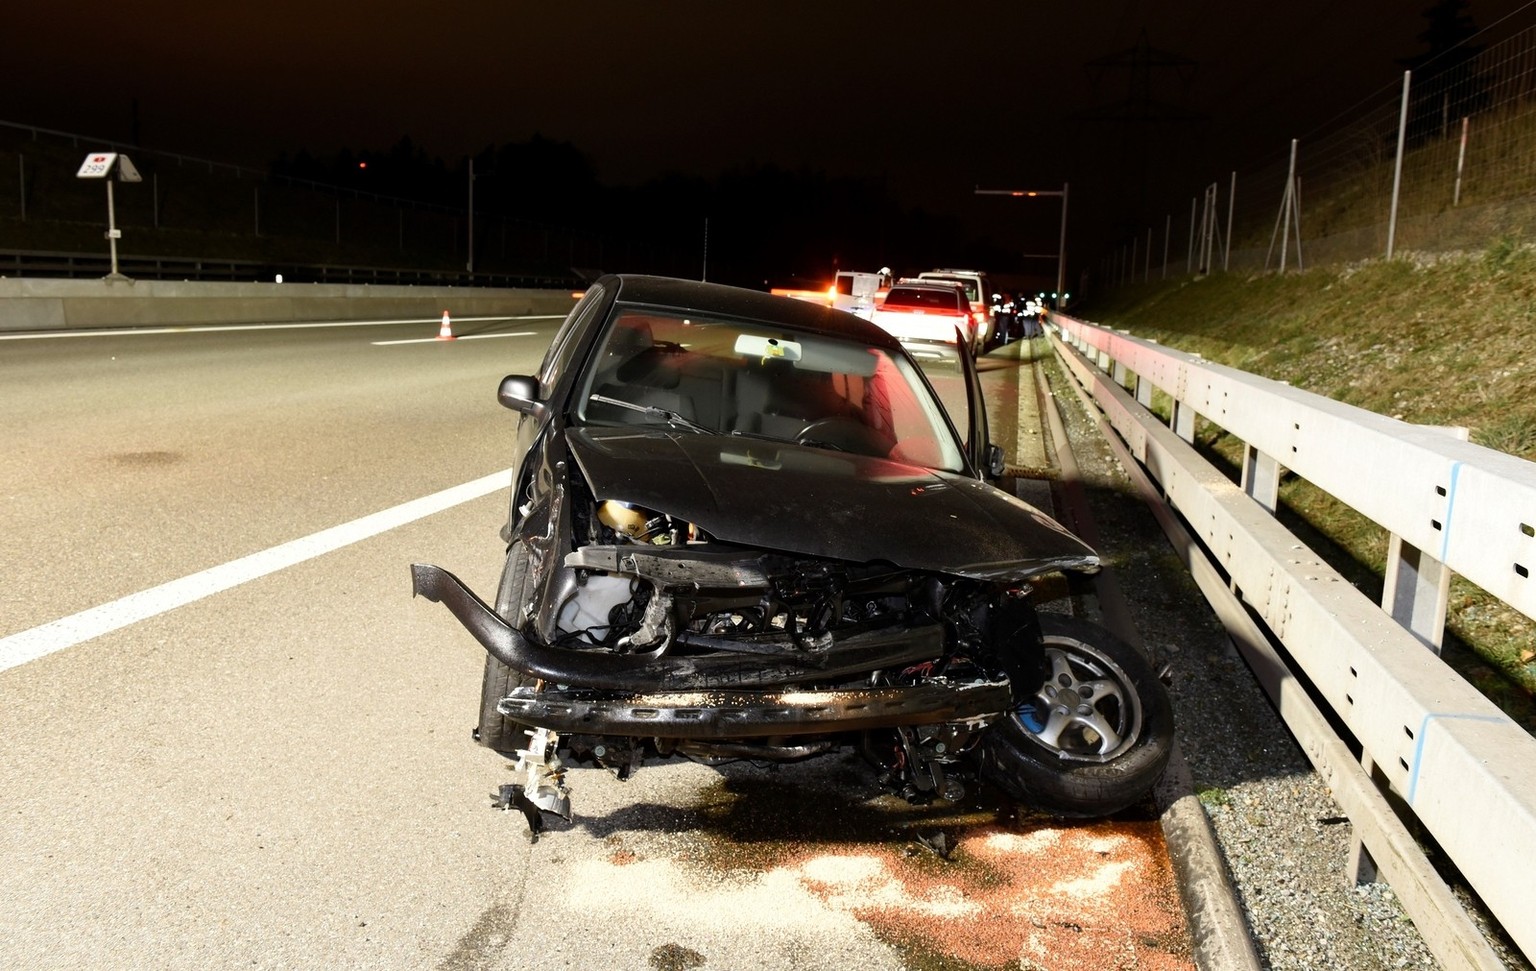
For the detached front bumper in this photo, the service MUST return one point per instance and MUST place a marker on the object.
(747, 714)
(849, 656)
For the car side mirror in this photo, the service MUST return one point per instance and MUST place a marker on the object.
(997, 462)
(520, 392)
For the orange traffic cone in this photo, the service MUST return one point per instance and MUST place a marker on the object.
(445, 332)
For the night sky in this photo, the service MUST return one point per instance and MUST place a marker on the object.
(934, 98)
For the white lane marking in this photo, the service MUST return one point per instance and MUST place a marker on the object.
(219, 328)
(457, 337)
(29, 645)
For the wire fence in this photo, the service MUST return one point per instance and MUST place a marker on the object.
(196, 208)
(1452, 169)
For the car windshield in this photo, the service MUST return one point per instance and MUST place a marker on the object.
(727, 377)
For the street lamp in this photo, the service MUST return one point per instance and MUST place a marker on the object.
(106, 165)
(1061, 249)
(473, 178)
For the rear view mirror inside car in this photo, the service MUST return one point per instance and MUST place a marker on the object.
(767, 348)
(809, 354)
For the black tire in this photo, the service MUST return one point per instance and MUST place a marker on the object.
(1082, 754)
(494, 730)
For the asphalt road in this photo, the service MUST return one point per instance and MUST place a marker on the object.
(268, 764)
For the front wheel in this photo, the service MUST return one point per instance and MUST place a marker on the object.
(495, 730)
(1093, 737)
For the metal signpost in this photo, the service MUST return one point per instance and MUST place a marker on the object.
(113, 168)
(1061, 250)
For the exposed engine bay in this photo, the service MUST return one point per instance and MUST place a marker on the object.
(655, 587)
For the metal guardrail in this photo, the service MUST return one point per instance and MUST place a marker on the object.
(37, 263)
(1446, 755)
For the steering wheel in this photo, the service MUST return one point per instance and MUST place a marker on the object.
(844, 434)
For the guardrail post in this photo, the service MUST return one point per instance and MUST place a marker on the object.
(1416, 592)
(1184, 421)
(1361, 867)
(1417, 587)
(1261, 477)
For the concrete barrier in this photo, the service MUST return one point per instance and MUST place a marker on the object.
(46, 305)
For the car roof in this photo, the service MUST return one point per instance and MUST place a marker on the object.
(738, 302)
(929, 283)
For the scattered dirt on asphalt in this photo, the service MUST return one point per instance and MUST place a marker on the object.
(144, 458)
(951, 887)
(1090, 896)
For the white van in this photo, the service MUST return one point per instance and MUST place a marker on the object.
(854, 292)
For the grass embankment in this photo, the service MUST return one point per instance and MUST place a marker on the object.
(1435, 340)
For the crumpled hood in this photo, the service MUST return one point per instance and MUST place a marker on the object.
(815, 502)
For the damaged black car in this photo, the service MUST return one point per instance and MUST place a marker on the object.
(745, 527)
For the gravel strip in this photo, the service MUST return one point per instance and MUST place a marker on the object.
(1284, 839)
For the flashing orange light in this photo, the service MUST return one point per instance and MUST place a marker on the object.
(812, 296)
(362, 165)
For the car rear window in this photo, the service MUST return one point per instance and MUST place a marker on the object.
(969, 284)
(922, 297)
